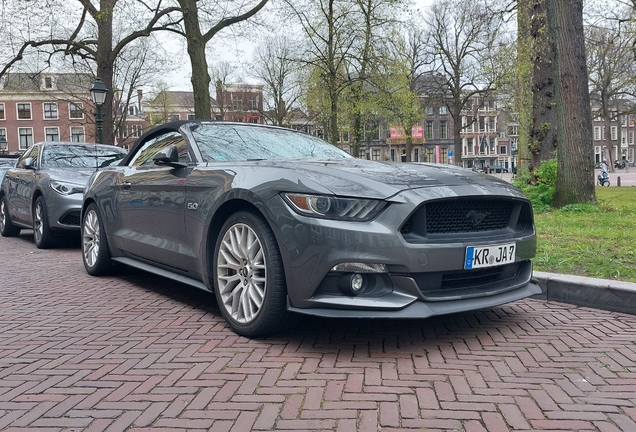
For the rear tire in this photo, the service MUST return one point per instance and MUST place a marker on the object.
(248, 273)
(7, 229)
(43, 236)
(95, 252)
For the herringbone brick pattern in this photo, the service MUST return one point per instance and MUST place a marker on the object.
(140, 353)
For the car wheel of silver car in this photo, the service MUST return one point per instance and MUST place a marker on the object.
(248, 274)
(42, 234)
(7, 229)
(95, 252)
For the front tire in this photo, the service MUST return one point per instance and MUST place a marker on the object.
(43, 236)
(248, 273)
(95, 252)
(7, 229)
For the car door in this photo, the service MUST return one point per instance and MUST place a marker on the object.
(152, 202)
(21, 182)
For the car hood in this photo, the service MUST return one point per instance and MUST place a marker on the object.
(372, 179)
(71, 175)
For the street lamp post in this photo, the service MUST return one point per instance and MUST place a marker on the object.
(98, 95)
(3, 144)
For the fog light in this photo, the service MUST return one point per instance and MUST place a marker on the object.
(352, 284)
(357, 283)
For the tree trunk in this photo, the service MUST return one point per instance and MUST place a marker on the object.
(105, 59)
(543, 139)
(196, 51)
(575, 171)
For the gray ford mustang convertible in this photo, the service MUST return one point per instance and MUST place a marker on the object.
(272, 221)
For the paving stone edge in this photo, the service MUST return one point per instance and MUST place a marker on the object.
(603, 294)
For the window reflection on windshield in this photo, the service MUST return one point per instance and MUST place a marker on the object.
(79, 156)
(222, 142)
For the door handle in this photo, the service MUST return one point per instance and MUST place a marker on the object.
(125, 185)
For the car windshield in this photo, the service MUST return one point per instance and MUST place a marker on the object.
(7, 162)
(223, 142)
(81, 156)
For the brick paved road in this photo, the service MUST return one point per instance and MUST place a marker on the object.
(140, 353)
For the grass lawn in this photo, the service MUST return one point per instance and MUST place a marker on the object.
(597, 242)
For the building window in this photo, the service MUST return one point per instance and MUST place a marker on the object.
(513, 130)
(623, 120)
(124, 130)
(393, 155)
(237, 102)
(191, 117)
(2, 117)
(173, 117)
(252, 102)
(614, 133)
(132, 110)
(24, 111)
(482, 124)
(631, 137)
(26, 137)
(430, 155)
(345, 136)
(254, 120)
(48, 82)
(597, 133)
(491, 124)
(51, 134)
(443, 155)
(75, 110)
(623, 137)
(3, 133)
(429, 110)
(442, 109)
(471, 146)
(136, 130)
(77, 134)
(416, 155)
(375, 155)
(429, 130)
(502, 149)
(443, 131)
(50, 110)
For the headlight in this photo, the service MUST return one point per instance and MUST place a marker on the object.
(331, 207)
(66, 188)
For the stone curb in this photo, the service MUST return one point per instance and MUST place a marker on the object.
(603, 294)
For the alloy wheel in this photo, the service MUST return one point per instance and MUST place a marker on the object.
(242, 273)
(38, 224)
(90, 238)
(3, 216)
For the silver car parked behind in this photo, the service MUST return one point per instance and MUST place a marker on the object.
(44, 190)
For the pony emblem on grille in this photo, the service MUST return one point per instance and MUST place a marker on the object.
(476, 217)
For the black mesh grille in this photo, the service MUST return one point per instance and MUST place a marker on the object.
(462, 216)
(71, 218)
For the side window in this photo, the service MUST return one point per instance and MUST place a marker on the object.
(155, 144)
(33, 152)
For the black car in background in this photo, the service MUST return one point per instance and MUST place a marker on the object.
(273, 221)
(44, 190)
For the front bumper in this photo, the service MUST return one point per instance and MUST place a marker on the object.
(425, 276)
(64, 211)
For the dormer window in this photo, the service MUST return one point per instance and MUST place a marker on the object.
(48, 83)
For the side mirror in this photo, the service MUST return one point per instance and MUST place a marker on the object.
(168, 156)
(29, 163)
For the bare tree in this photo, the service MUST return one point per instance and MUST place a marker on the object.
(197, 15)
(612, 80)
(575, 179)
(462, 40)
(91, 38)
(327, 27)
(275, 65)
(221, 72)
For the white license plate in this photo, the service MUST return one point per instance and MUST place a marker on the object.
(489, 256)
